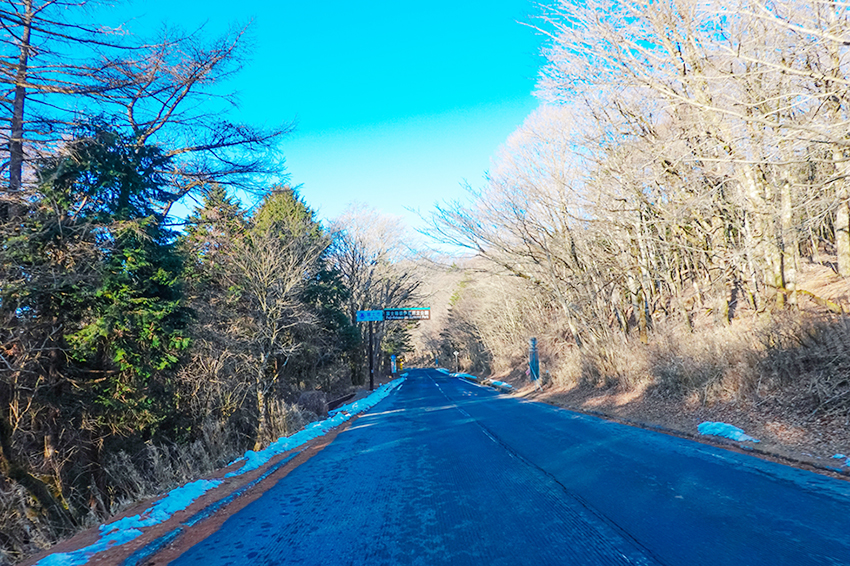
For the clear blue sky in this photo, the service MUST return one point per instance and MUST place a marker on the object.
(396, 103)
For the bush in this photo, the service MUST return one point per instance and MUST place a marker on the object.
(23, 531)
(315, 402)
(285, 420)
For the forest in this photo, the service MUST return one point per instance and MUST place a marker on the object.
(140, 348)
(672, 221)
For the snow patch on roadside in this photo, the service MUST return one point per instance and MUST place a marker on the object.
(254, 460)
(491, 382)
(124, 530)
(81, 556)
(176, 500)
(466, 376)
(841, 457)
(725, 430)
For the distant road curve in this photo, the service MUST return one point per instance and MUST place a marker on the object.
(448, 472)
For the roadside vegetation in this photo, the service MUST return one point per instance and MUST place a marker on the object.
(672, 224)
(139, 350)
(673, 220)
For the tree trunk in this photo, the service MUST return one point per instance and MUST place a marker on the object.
(749, 250)
(837, 114)
(766, 234)
(638, 307)
(16, 126)
(262, 417)
(790, 249)
(643, 318)
(842, 232)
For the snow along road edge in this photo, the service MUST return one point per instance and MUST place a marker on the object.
(128, 529)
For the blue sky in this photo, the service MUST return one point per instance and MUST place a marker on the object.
(396, 103)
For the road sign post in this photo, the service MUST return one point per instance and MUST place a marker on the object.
(370, 316)
(533, 362)
(371, 360)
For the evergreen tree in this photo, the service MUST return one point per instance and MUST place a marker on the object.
(211, 230)
(92, 303)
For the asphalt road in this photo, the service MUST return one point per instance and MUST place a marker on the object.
(447, 472)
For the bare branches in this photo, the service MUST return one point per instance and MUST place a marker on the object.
(687, 147)
(169, 99)
(374, 262)
(168, 93)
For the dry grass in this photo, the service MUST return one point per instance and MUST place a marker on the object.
(749, 359)
(22, 526)
(719, 364)
(811, 356)
(134, 477)
(286, 420)
(158, 468)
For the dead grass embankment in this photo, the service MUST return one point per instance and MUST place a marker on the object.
(782, 376)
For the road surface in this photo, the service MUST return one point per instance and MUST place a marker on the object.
(448, 472)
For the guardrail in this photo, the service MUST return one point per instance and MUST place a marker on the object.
(340, 402)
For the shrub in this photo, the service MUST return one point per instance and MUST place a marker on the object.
(315, 402)
(23, 531)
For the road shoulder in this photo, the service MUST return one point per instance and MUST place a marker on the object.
(805, 448)
(185, 535)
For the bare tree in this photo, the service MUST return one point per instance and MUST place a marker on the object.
(170, 93)
(49, 57)
(370, 253)
(60, 69)
(758, 89)
(269, 269)
(688, 155)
